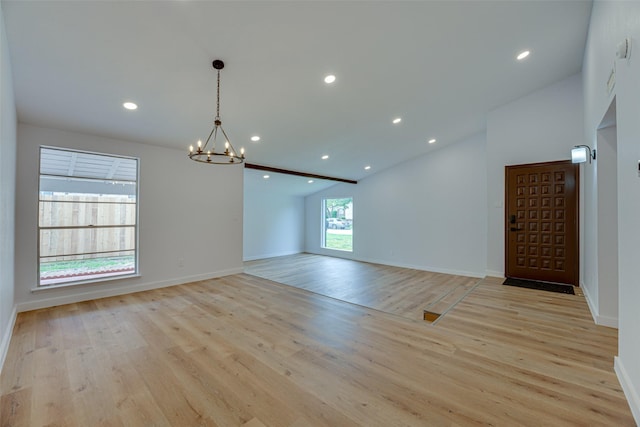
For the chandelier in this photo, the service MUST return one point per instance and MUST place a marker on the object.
(209, 152)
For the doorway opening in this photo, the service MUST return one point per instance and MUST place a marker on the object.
(602, 213)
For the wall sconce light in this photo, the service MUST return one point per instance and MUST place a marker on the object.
(580, 154)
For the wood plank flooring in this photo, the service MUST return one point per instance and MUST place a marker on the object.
(245, 351)
(401, 291)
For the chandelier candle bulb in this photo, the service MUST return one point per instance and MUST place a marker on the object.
(191, 149)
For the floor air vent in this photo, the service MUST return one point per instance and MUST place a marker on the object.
(430, 316)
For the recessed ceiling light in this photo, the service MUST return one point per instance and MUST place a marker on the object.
(130, 105)
(432, 140)
(265, 176)
(325, 157)
(330, 78)
(522, 55)
(310, 181)
(255, 138)
(397, 120)
(367, 168)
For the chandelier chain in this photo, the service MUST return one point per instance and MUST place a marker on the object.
(218, 102)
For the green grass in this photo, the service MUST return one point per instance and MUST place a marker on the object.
(88, 265)
(342, 242)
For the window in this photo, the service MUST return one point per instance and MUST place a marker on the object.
(338, 224)
(87, 226)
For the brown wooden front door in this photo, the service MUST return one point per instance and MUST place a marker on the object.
(541, 237)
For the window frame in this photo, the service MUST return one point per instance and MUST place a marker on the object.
(324, 228)
(135, 226)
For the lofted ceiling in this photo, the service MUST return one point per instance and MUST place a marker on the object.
(439, 65)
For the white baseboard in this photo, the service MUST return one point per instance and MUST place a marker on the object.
(630, 392)
(590, 303)
(271, 255)
(611, 322)
(495, 273)
(6, 336)
(87, 295)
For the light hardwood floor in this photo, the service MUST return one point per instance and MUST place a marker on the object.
(402, 291)
(245, 351)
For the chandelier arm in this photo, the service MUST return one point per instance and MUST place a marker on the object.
(215, 136)
(233, 150)
(208, 138)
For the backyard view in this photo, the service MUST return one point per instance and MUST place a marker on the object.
(64, 271)
(338, 224)
(85, 236)
(87, 216)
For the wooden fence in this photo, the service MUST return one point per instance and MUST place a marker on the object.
(86, 224)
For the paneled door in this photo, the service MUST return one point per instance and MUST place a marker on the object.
(541, 236)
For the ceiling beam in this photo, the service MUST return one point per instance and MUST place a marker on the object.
(296, 173)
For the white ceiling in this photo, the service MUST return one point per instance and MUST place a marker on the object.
(280, 184)
(440, 65)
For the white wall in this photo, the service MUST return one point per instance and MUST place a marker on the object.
(589, 235)
(610, 23)
(7, 194)
(540, 127)
(429, 213)
(273, 223)
(605, 167)
(186, 234)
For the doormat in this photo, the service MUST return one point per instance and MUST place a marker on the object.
(542, 286)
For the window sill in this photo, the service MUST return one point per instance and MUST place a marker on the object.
(84, 282)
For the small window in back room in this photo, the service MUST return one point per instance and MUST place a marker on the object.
(337, 232)
(88, 216)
